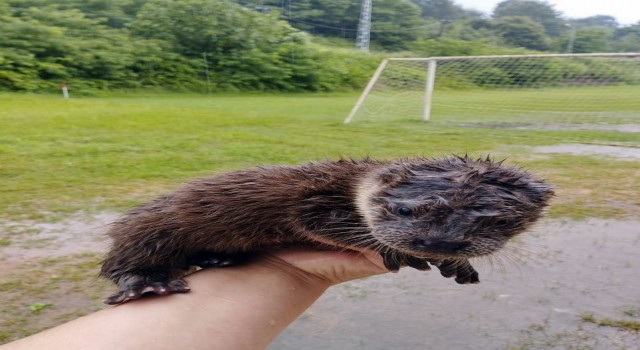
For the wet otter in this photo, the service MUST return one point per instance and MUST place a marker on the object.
(412, 211)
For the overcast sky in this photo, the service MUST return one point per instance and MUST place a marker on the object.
(625, 11)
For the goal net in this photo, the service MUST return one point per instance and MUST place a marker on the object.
(513, 89)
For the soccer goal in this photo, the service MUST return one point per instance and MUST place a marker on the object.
(567, 88)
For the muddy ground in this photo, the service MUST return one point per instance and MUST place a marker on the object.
(544, 292)
(533, 297)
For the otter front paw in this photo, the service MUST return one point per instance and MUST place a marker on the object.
(136, 287)
(214, 259)
(418, 263)
(393, 262)
(461, 269)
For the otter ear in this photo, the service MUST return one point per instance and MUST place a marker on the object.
(392, 175)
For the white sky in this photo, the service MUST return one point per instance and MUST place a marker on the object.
(625, 11)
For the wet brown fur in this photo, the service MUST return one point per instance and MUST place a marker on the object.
(460, 208)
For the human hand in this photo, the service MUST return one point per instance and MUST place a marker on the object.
(330, 267)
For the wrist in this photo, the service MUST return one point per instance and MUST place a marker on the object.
(264, 297)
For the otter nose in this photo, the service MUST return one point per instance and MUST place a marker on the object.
(438, 245)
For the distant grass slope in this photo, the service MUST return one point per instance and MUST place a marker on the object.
(110, 152)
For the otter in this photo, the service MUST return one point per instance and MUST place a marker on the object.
(415, 212)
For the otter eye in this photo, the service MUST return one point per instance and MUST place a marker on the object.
(404, 211)
(502, 222)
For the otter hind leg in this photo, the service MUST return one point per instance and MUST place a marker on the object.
(132, 286)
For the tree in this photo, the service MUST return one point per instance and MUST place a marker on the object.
(113, 13)
(521, 32)
(592, 39)
(245, 49)
(439, 9)
(627, 39)
(596, 21)
(395, 24)
(538, 11)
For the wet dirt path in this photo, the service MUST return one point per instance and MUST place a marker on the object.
(531, 297)
(572, 268)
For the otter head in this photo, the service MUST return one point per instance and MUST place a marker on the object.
(450, 208)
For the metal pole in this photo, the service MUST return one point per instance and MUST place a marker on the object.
(428, 93)
(366, 91)
(364, 26)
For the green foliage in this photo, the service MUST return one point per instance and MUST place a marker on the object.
(592, 39)
(326, 18)
(38, 307)
(245, 50)
(71, 47)
(459, 47)
(540, 12)
(596, 21)
(521, 31)
(627, 39)
(503, 73)
(247, 45)
(395, 23)
(440, 9)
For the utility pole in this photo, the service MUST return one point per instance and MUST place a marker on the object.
(572, 38)
(364, 26)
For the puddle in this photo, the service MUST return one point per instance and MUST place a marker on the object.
(530, 126)
(581, 149)
(612, 127)
(78, 233)
(587, 266)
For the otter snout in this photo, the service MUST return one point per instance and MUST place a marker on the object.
(436, 245)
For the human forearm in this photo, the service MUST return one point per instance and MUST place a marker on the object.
(241, 307)
(234, 308)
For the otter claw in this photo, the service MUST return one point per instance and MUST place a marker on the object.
(469, 278)
(212, 259)
(418, 263)
(462, 270)
(136, 292)
(390, 262)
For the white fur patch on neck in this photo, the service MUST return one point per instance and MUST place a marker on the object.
(365, 191)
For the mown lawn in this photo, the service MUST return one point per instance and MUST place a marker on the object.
(60, 156)
(89, 155)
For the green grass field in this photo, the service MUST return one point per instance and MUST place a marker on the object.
(616, 104)
(91, 155)
(60, 156)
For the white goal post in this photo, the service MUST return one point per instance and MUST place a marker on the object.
(529, 84)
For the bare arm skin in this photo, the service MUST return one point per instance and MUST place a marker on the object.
(243, 307)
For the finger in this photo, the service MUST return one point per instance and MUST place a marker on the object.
(334, 267)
